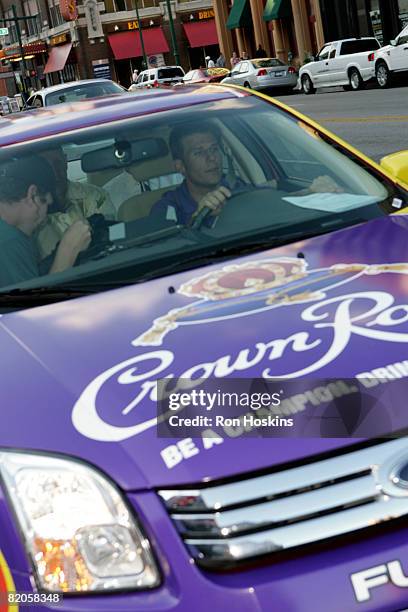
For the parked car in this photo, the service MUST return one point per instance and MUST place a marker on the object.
(346, 63)
(392, 59)
(73, 92)
(292, 279)
(205, 75)
(157, 77)
(266, 73)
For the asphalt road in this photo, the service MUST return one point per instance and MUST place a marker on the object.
(373, 120)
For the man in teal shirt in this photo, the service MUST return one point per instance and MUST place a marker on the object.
(27, 188)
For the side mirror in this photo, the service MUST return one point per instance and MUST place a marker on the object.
(393, 43)
(396, 164)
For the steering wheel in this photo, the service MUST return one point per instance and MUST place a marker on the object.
(206, 212)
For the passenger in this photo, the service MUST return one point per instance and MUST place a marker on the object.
(27, 188)
(74, 201)
(197, 151)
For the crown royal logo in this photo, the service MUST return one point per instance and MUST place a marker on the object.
(243, 289)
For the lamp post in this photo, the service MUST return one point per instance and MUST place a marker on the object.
(139, 23)
(20, 44)
(173, 34)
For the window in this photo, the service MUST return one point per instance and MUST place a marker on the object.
(12, 35)
(324, 53)
(169, 73)
(32, 26)
(55, 13)
(267, 63)
(268, 159)
(244, 67)
(119, 5)
(403, 37)
(82, 92)
(359, 46)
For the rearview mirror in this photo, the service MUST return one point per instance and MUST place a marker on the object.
(396, 164)
(124, 153)
(393, 43)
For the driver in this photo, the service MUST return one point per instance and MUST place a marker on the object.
(198, 155)
(197, 152)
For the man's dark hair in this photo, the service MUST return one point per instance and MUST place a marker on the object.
(182, 130)
(18, 173)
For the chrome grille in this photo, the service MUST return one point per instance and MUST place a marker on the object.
(245, 518)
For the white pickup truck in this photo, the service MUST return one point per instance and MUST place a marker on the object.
(391, 59)
(348, 63)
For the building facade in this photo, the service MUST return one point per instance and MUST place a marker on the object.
(112, 38)
(295, 29)
(103, 39)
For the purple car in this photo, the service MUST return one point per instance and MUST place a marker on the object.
(227, 239)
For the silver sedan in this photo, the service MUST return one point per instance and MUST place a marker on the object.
(263, 73)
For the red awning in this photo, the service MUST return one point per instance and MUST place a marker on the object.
(127, 44)
(201, 33)
(57, 58)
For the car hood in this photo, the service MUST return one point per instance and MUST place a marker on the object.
(78, 377)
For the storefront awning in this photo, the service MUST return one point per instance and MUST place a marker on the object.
(277, 9)
(201, 33)
(57, 58)
(240, 14)
(127, 44)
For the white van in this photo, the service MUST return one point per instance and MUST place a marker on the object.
(154, 77)
(348, 63)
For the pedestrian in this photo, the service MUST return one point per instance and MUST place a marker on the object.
(234, 60)
(260, 52)
(210, 62)
(135, 75)
(220, 63)
(244, 55)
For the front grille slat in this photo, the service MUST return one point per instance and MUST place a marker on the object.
(287, 509)
(298, 534)
(242, 519)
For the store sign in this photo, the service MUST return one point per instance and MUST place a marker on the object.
(101, 69)
(155, 61)
(58, 40)
(209, 14)
(134, 25)
(69, 10)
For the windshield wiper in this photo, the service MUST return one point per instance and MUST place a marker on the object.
(44, 295)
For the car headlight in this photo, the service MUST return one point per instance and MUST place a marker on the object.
(77, 528)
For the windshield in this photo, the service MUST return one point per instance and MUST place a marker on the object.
(159, 193)
(82, 92)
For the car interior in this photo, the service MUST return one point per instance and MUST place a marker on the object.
(267, 158)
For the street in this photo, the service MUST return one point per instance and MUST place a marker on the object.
(373, 120)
